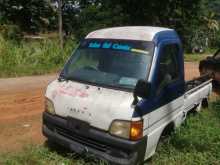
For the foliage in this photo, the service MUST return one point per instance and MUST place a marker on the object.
(193, 20)
(215, 7)
(196, 142)
(216, 41)
(94, 17)
(29, 15)
(205, 35)
(33, 57)
(11, 32)
(197, 21)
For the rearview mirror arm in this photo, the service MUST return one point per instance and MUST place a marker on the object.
(135, 101)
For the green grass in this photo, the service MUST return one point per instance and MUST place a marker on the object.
(33, 57)
(196, 57)
(41, 155)
(196, 142)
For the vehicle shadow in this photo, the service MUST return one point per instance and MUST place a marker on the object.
(82, 159)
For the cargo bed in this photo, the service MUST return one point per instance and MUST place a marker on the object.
(196, 89)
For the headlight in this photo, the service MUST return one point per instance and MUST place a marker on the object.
(120, 128)
(132, 130)
(49, 107)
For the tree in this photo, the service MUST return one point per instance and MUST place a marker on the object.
(60, 4)
(92, 15)
(181, 15)
(29, 15)
(193, 19)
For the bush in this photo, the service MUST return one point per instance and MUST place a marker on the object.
(30, 58)
(11, 32)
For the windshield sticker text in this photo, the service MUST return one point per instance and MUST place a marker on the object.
(109, 45)
(139, 51)
(94, 45)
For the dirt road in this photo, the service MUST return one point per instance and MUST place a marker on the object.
(21, 106)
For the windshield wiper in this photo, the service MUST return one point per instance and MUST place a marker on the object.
(62, 78)
(126, 86)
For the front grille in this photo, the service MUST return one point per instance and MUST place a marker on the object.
(82, 140)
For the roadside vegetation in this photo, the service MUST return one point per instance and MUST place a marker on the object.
(196, 142)
(196, 57)
(36, 57)
(19, 58)
(196, 22)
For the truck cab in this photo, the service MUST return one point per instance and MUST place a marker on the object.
(119, 91)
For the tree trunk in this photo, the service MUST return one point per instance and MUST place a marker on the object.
(60, 23)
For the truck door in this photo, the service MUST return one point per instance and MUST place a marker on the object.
(168, 81)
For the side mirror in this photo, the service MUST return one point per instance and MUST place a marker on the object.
(142, 89)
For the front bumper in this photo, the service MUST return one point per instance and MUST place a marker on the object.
(96, 142)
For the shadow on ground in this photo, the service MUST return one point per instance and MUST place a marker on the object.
(85, 158)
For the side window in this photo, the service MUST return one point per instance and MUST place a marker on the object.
(168, 66)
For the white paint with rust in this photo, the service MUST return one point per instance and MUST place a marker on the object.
(142, 33)
(98, 106)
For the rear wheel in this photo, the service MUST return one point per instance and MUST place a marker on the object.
(198, 108)
(205, 103)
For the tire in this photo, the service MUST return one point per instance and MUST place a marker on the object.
(198, 108)
(205, 103)
(168, 130)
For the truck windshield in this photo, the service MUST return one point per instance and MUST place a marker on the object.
(110, 63)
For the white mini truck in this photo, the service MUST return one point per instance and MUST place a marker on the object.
(119, 92)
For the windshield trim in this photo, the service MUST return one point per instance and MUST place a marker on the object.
(130, 90)
(126, 89)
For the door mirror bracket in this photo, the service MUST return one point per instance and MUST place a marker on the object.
(142, 89)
